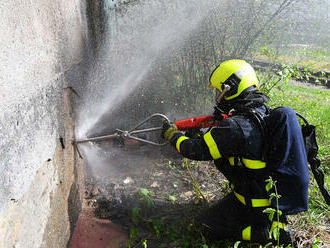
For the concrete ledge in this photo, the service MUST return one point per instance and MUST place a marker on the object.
(68, 198)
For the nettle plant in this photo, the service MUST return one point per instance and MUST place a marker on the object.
(275, 233)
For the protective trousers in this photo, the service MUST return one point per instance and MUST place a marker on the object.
(230, 219)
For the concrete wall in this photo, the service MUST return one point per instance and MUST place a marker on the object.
(41, 43)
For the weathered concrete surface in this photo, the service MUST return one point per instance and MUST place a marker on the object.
(40, 42)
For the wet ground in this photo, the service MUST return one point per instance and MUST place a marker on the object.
(156, 183)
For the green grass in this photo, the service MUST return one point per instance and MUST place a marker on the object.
(314, 58)
(314, 104)
(317, 59)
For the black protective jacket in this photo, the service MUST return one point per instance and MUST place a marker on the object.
(237, 148)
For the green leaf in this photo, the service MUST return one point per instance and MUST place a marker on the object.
(269, 186)
(133, 233)
(268, 245)
(135, 215)
(276, 233)
(172, 198)
(272, 195)
(316, 242)
(270, 212)
(144, 192)
(144, 243)
(279, 212)
(236, 245)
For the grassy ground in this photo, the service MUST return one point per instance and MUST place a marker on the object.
(317, 58)
(314, 104)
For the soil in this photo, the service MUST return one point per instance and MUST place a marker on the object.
(115, 190)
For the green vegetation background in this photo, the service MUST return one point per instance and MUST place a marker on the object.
(314, 104)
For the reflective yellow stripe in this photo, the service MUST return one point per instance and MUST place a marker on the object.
(279, 225)
(213, 148)
(253, 164)
(240, 197)
(178, 142)
(231, 161)
(257, 203)
(246, 233)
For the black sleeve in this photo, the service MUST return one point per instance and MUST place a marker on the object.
(195, 149)
(228, 137)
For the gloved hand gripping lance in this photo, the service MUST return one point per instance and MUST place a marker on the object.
(197, 122)
(191, 123)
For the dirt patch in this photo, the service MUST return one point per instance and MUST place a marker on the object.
(162, 177)
(153, 184)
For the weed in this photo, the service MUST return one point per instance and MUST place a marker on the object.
(275, 233)
(198, 193)
(133, 233)
(146, 197)
(172, 198)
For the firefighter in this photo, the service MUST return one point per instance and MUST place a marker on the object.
(238, 147)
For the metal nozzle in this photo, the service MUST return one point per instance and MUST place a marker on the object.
(226, 88)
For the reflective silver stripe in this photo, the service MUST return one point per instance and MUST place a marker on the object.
(243, 71)
(213, 148)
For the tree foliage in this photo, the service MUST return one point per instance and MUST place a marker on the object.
(233, 29)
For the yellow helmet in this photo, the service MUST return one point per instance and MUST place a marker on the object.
(238, 74)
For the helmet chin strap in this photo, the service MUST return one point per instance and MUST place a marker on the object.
(224, 91)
